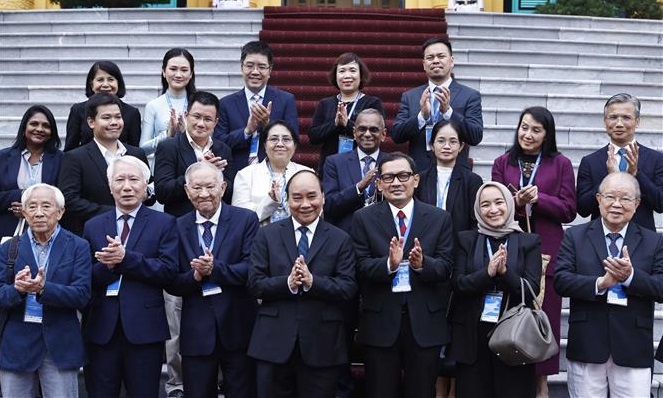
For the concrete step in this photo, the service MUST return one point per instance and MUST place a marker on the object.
(173, 39)
(135, 26)
(144, 65)
(124, 14)
(118, 51)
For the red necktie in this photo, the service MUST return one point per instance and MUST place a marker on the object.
(401, 222)
(125, 229)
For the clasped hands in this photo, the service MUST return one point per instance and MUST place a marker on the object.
(631, 155)
(203, 265)
(497, 264)
(111, 255)
(415, 257)
(617, 270)
(25, 283)
(300, 275)
(176, 124)
(258, 116)
(443, 96)
(218, 162)
(527, 195)
(341, 119)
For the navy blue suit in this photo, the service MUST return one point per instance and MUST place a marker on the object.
(592, 171)
(10, 162)
(234, 112)
(216, 329)
(84, 184)
(466, 104)
(171, 159)
(341, 174)
(136, 316)
(67, 289)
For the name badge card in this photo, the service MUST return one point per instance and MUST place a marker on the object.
(401, 282)
(113, 289)
(617, 295)
(345, 144)
(492, 303)
(34, 311)
(210, 289)
(429, 133)
(253, 151)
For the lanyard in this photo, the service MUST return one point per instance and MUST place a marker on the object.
(354, 103)
(442, 195)
(170, 104)
(490, 250)
(271, 175)
(436, 109)
(49, 246)
(531, 177)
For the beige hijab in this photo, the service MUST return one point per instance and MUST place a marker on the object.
(510, 225)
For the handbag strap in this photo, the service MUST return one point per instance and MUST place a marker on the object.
(11, 258)
(524, 282)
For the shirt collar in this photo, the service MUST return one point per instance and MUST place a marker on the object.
(249, 94)
(606, 231)
(193, 144)
(132, 213)
(407, 209)
(446, 83)
(616, 148)
(50, 240)
(121, 149)
(311, 227)
(363, 154)
(214, 219)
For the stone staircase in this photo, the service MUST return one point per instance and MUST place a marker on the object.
(569, 64)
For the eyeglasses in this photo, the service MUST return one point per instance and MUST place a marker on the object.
(402, 177)
(250, 66)
(624, 200)
(275, 140)
(372, 130)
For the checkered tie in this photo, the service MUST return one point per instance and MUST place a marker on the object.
(302, 246)
(207, 233)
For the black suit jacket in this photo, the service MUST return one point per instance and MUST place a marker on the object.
(172, 157)
(84, 184)
(471, 282)
(79, 132)
(341, 174)
(462, 193)
(592, 171)
(598, 330)
(379, 325)
(312, 319)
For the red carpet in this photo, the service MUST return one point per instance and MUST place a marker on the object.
(307, 40)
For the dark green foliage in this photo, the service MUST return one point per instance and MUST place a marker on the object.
(640, 9)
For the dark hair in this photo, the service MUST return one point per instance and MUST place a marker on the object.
(344, 59)
(317, 177)
(179, 52)
(623, 98)
(257, 47)
(112, 69)
(435, 40)
(393, 156)
(52, 144)
(100, 99)
(458, 127)
(203, 98)
(265, 132)
(549, 147)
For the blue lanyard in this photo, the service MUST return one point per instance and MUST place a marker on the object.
(442, 195)
(354, 104)
(49, 246)
(490, 249)
(436, 109)
(170, 104)
(407, 227)
(271, 175)
(531, 177)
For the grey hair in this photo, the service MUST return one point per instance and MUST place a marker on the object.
(371, 111)
(623, 98)
(621, 176)
(132, 161)
(198, 166)
(59, 197)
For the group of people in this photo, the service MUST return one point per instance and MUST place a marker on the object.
(195, 236)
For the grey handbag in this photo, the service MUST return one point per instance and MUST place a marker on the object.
(523, 335)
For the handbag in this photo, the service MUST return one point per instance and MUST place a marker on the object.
(11, 260)
(523, 335)
(545, 260)
(20, 227)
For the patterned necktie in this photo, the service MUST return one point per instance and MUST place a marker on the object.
(302, 246)
(434, 105)
(368, 192)
(125, 228)
(401, 222)
(207, 234)
(613, 236)
(622, 162)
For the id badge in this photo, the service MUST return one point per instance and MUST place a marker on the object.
(429, 133)
(345, 144)
(113, 289)
(34, 311)
(210, 289)
(401, 282)
(279, 214)
(492, 303)
(253, 151)
(617, 295)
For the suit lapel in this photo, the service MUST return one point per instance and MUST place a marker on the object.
(597, 240)
(49, 170)
(454, 188)
(353, 165)
(14, 163)
(25, 252)
(513, 243)
(417, 225)
(288, 239)
(58, 249)
(222, 228)
(242, 107)
(97, 158)
(186, 151)
(137, 227)
(632, 238)
(386, 220)
(319, 238)
(191, 240)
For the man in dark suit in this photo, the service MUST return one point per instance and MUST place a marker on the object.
(83, 178)
(218, 312)
(42, 336)
(175, 154)
(303, 269)
(404, 252)
(135, 250)
(349, 178)
(621, 116)
(612, 269)
(243, 114)
(441, 98)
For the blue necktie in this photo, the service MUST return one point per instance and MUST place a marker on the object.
(612, 247)
(207, 234)
(622, 162)
(368, 192)
(302, 246)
